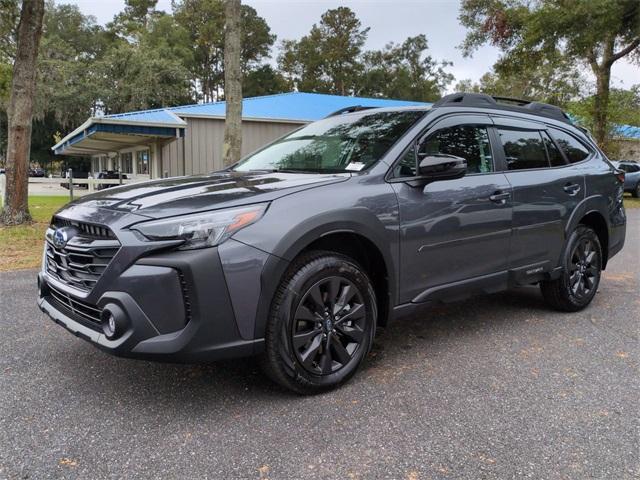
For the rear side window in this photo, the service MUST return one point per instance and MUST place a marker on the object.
(629, 168)
(523, 149)
(572, 148)
(467, 141)
(555, 157)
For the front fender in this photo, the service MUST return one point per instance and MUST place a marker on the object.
(294, 222)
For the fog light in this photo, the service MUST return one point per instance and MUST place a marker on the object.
(113, 321)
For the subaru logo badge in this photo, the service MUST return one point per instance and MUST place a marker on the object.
(60, 238)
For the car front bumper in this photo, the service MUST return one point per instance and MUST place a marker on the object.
(177, 306)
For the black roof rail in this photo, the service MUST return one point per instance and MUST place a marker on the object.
(352, 108)
(482, 100)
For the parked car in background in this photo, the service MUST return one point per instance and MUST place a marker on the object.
(108, 175)
(37, 172)
(302, 249)
(631, 176)
(80, 174)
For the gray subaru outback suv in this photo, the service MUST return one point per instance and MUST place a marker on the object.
(302, 249)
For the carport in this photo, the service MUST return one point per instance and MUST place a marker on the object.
(131, 142)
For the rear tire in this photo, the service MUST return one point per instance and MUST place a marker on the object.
(321, 324)
(582, 266)
(636, 191)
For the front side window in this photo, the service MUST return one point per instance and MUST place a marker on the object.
(347, 143)
(523, 149)
(407, 166)
(572, 148)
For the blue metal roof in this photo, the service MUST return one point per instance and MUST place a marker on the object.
(292, 106)
(161, 115)
(628, 131)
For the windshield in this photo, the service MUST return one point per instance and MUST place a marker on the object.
(336, 144)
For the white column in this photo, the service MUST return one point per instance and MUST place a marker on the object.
(154, 161)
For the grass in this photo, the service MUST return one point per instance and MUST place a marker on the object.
(630, 202)
(22, 245)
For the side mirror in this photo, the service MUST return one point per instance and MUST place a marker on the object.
(440, 167)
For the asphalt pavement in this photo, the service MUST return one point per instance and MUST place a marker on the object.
(494, 387)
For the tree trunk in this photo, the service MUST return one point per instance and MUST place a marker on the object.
(20, 113)
(232, 84)
(601, 106)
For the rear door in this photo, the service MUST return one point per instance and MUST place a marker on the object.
(453, 232)
(546, 190)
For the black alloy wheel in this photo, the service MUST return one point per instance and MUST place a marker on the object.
(321, 324)
(329, 325)
(583, 270)
(582, 265)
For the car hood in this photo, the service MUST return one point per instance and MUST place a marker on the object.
(181, 195)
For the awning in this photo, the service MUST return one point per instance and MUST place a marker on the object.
(101, 135)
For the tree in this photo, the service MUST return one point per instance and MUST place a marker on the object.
(552, 80)
(404, 71)
(328, 58)
(136, 77)
(623, 109)
(596, 33)
(23, 89)
(232, 83)
(204, 20)
(263, 80)
(135, 18)
(8, 29)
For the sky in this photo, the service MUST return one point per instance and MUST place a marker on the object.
(388, 20)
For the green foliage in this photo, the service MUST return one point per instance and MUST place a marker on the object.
(263, 81)
(9, 15)
(204, 20)
(552, 80)
(580, 27)
(592, 33)
(133, 77)
(330, 59)
(624, 109)
(404, 71)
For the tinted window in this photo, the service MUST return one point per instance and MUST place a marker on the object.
(523, 149)
(466, 141)
(572, 148)
(341, 143)
(629, 168)
(406, 167)
(555, 157)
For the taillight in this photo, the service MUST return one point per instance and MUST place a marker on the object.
(620, 176)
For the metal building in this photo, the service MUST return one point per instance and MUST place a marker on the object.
(188, 139)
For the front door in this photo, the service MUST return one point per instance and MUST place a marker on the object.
(453, 232)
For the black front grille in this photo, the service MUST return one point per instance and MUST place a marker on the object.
(88, 229)
(82, 310)
(83, 259)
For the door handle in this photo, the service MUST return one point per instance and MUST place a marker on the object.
(571, 188)
(499, 197)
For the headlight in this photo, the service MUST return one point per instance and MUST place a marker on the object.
(201, 230)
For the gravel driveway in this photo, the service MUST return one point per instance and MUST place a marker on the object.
(494, 387)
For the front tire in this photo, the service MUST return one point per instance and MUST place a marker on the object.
(582, 262)
(321, 324)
